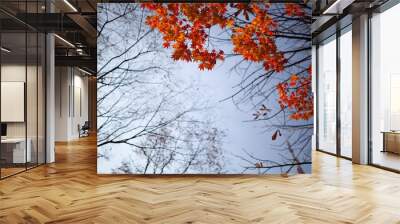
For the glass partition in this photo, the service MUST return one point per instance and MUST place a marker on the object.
(13, 94)
(22, 101)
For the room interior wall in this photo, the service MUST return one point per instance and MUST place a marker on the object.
(16, 72)
(80, 104)
(71, 87)
(32, 127)
(61, 103)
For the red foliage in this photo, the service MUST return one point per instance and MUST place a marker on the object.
(256, 41)
(296, 95)
(294, 10)
(185, 28)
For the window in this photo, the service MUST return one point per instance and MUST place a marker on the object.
(385, 89)
(335, 137)
(327, 96)
(346, 93)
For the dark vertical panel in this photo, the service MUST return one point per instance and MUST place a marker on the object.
(26, 79)
(37, 90)
(69, 100)
(80, 102)
(0, 97)
(73, 91)
(60, 76)
(316, 97)
(45, 88)
(338, 74)
(369, 100)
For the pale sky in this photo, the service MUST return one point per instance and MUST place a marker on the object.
(213, 86)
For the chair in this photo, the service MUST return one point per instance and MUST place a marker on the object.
(84, 130)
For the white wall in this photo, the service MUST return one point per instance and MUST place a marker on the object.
(14, 72)
(80, 109)
(33, 126)
(70, 83)
(61, 103)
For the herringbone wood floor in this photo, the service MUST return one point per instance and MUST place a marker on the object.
(69, 191)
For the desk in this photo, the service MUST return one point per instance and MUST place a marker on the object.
(391, 141)
(16, 147)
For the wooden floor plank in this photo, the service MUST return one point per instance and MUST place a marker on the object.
(70, 191)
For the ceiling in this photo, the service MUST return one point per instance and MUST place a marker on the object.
(73, 22)
(329, 15)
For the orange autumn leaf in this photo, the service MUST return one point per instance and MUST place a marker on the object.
(296, 95)
(185, 28)
(253, 32)
(294, 10)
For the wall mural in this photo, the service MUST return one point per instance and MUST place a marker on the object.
(207, 88)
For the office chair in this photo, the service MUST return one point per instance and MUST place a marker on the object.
(84, 130)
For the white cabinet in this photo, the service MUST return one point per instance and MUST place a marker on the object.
(19, 155)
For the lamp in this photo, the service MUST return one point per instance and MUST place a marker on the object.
(84, 71)
(70, 5)
(64, 40)
(337, 7)
(5, 50)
